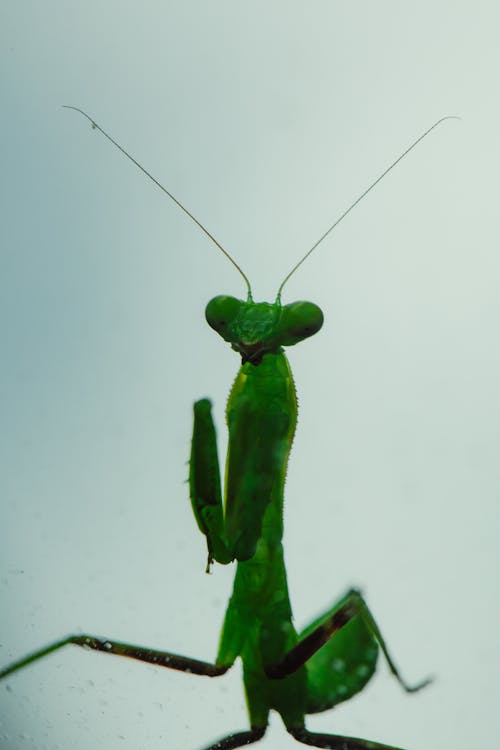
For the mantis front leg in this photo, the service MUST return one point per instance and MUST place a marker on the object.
(205, 484)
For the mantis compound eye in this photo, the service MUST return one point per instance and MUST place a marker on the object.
(221, 312)
(299, 320)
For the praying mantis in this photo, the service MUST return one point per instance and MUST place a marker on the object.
(336, 655)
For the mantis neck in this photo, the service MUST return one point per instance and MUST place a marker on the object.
(261, 417)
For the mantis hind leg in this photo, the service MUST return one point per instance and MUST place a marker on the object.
(336, 741)
(239, 739)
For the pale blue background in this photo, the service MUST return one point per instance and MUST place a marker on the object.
(267, 119)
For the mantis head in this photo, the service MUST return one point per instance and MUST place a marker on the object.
(257, 328)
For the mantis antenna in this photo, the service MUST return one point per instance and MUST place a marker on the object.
(211, 237)
(360, 198)
(158, 184)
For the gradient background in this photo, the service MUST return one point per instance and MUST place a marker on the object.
(267, 119)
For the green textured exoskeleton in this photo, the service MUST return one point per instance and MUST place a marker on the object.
(335, 656)
(293, 674)
(261, 418)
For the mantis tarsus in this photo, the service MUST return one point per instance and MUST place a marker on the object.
(336, 655)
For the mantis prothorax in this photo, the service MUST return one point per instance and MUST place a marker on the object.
(336, 655)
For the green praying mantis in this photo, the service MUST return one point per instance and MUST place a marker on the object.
(292, 673)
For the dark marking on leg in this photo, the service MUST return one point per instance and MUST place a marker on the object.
(299, 654)
(239, 739)
(150, 656)
(336, 741)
